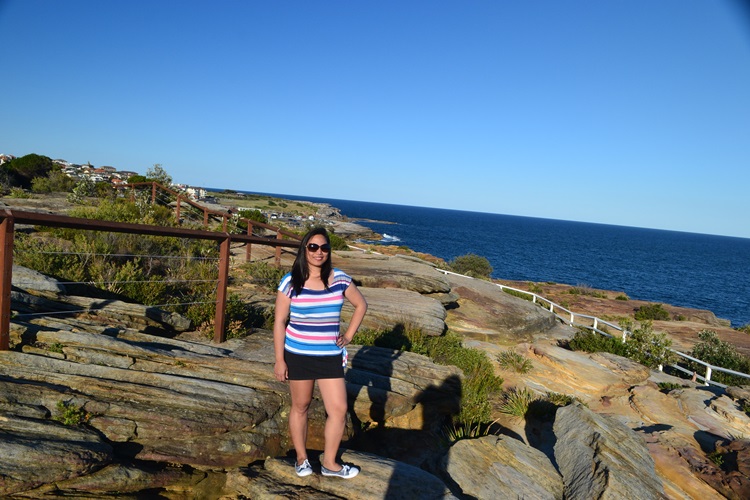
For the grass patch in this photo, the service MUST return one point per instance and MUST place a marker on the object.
(516, 402)
(520, 295)
(511, 360)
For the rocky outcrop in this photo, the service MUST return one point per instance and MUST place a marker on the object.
(175, 413)
(507, 468)
(486, 313)
(390, 308)
(599, 457)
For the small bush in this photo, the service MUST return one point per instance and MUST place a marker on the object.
(651, 312)
(648, 347)
(17, 192)
(714, 351)
(622, 296)
(513, 361)
(264, 274)
(745, 328)
(70, 414)
(669, 386)
(516, 402)
(471, 265)
(588, 341)
(337, 242)
(520, 295)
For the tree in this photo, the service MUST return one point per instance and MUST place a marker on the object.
(471, 265)
(21, 171)
(158, 174)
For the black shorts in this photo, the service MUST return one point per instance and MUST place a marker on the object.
(300, 367)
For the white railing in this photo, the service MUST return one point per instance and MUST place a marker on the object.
(570, 319)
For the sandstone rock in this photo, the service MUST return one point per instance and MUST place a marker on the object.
(382, 271)
(602, 458)
(36, 452)
(487, 313)
(584, 375)
(501, 467)
(379, 478)
(30, 280)
(389, 308)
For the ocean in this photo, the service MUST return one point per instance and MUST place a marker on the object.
(682, 269)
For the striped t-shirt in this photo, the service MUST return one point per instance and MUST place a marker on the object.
(314, 316)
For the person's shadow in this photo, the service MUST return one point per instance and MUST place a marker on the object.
(371, 370)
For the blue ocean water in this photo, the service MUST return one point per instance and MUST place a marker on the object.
(682, 269)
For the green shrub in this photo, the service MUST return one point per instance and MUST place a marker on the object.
(520, 295)
(585, 340)
(70, 414)
(714, 351)
(648, 347)
(480, 379)
(253, 215)
(264, 274)
(55, 182)
(745, 328)
(514, 361)
(622, 296)
(402, 337)
(471, 265)
(337, 242)
(651, 312)
(20, 193)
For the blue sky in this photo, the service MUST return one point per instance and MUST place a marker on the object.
(633, 113)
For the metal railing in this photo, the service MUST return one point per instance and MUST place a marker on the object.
(161, 195)
(570, 317)
(10, 217)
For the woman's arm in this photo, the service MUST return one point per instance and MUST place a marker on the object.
(356, 298)
(281, 314)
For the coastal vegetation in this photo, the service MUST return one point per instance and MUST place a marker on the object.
(643, 345)
(716, 352)
(480, 381)
(472, 265)
(177, 275)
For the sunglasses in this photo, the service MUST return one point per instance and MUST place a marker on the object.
(313, 247)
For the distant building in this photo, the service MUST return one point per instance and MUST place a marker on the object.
(6, 158)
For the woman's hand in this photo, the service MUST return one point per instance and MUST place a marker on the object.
(280, 371)
(344, 340)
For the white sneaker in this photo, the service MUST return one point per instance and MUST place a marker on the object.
(303, 469)
(346, 472)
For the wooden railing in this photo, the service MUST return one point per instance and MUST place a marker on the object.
(571, 318)
(10, 217)
(224, 216)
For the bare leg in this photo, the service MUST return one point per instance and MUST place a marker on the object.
(333, 391)
(301, 391)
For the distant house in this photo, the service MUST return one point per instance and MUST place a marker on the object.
(126, 174)
(6, 158)
(109, 170)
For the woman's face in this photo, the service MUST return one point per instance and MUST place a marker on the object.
(317, 257)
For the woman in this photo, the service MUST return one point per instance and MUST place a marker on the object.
(311, 347)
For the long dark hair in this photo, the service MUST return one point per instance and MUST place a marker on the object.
(300, 270)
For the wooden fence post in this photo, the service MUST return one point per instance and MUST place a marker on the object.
(221, 291)
(278, 250)
(6, 279)
(248, 244)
